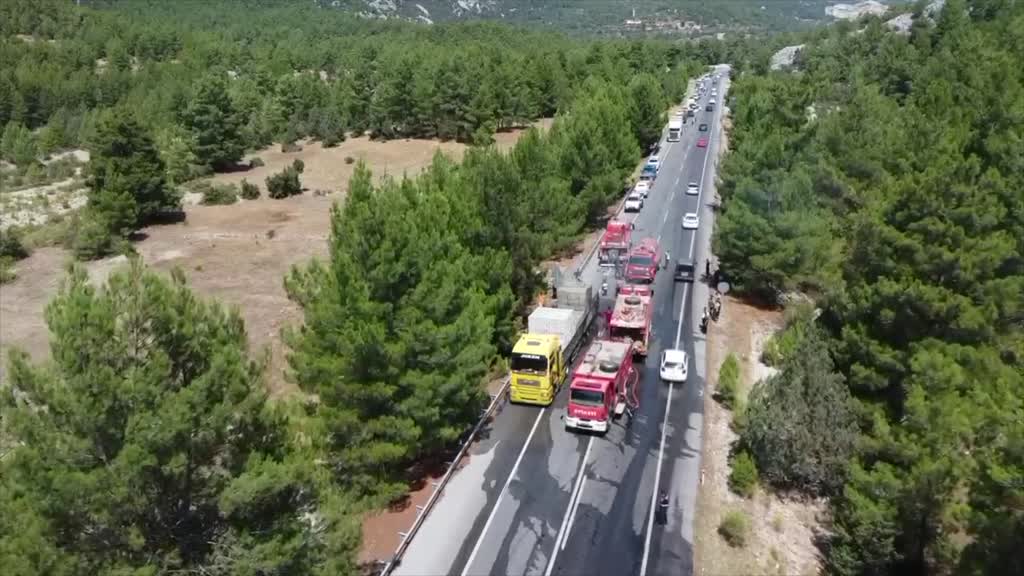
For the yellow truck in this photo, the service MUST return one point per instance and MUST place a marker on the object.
(542, 357)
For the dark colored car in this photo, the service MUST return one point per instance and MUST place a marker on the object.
(684, 270)
(703, 128)
(709, 107)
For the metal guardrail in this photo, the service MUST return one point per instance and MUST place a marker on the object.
(407, 537)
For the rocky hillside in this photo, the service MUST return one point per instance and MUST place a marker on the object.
(688, 17)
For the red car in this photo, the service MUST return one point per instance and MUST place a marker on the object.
(702, 143)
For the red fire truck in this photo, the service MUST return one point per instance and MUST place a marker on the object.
(631, 320)
(615, 242)
(603, 386)
(644, 262)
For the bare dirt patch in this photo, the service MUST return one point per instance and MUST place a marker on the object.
(238, 254)
(782, 530)
(329, 169)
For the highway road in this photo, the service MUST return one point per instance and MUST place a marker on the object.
(535, 499)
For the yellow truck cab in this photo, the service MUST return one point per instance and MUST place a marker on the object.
(538, 369)
(541, 358)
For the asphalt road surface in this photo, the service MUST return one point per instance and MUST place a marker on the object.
(535, 499)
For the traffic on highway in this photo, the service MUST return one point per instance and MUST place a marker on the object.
(594, 465)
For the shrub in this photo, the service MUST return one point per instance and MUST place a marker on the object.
(288, 147)
(11, 245)
(93, 238)
(735, 527)
(7, 269)
(783, 343)
(220, 195)
(349, 160)
(256, 162)
(743, 478)
(299, 165)
(801, 424)
(283, 184)
(739, 416)
(250, 191)
(57, 231)
(729, 381)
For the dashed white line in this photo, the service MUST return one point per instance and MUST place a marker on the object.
(570, 511)
(657, 476)
(668, 401)
(501, 495)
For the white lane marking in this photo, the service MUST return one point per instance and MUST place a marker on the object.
(570, 511)
(504, 490)
(572, 518)
(668, 401)
(657, 479)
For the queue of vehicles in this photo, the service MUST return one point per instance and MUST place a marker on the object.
(605, 383)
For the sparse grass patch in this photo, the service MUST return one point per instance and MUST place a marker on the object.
(57, 231)
(777, 524)
(735, 528)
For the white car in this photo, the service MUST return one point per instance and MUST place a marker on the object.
(674, 365)
(692, 189)
(634, 202)
(690, 221)
(643, 188)
(712, 101)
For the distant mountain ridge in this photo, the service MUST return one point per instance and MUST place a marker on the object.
(607, 16)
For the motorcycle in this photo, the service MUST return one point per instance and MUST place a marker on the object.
(662, 515)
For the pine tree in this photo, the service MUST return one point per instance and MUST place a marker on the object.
(127, 181)
(149, 442)
(215, 124)
(647, 109)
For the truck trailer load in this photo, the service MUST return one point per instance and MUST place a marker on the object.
(631, 320)
(542, 356)
(603, 386)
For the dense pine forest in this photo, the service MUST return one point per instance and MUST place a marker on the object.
(147, 444)
(202, 83)
(882, 179)
(885, 177)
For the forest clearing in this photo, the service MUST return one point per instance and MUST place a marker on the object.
(238, 253)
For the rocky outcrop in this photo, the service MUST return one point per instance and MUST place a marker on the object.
(784, 58)
(854, 11)
(902, 23)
